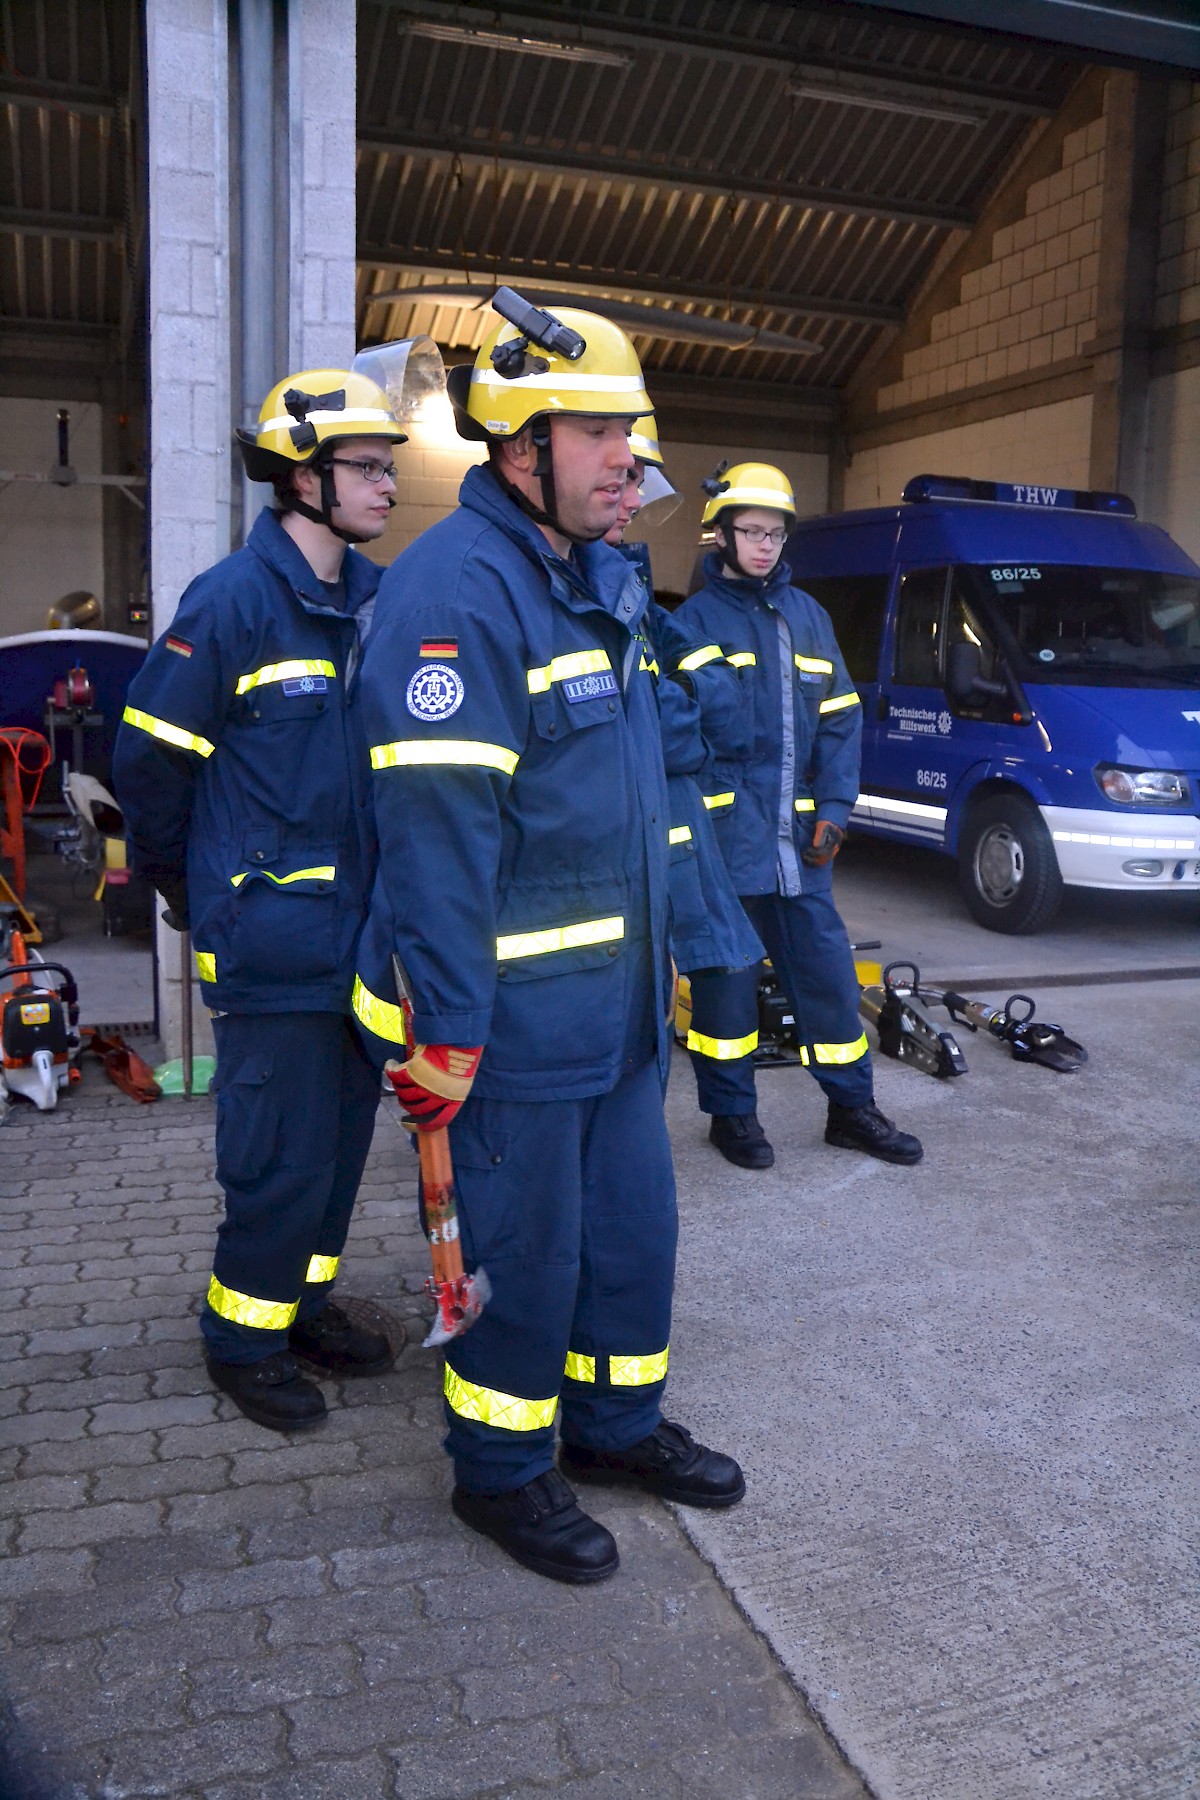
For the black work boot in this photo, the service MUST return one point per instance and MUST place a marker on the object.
(541, 1526)
(741, 1140)
(866, 1128)
(332, 1341)
(669, 1462)
(272, 1392)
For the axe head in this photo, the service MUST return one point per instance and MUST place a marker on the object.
(459, 1303)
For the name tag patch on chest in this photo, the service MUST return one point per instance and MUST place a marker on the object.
(305, 684)
(813, 680)
(590, 687)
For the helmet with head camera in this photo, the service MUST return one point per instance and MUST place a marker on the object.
(729, 490)
(301, 420)
(536, 366)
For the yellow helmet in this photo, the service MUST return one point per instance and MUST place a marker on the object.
(748, 484)
(604, 380)
(316, 407)
(643, 441)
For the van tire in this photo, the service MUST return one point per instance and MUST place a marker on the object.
(1007, 868)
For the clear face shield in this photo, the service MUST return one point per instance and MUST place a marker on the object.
(659, 501)
(411, 373)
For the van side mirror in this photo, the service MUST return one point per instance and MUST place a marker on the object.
(965, 683)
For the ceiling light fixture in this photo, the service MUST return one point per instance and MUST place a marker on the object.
(666, 323)
(484, 39)
(881, 100)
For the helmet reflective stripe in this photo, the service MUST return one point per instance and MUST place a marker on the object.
(350, 415)
(748, 496)
(574, 384)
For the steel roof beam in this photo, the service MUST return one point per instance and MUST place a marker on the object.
(83, 230)
(635, 35)
(809, 306)
(552, 163)
(59, 96)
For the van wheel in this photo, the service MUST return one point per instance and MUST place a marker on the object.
(1007, 868)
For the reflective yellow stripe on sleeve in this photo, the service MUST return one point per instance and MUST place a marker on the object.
(325, 873)
(714, 800)
(580, 1368)
(722, 1049)
(488, 1406)
(382, 1017)
(841, 1053)
(561, 937)
(838, 702)
(206, 965)
(813, 665)
(743, 659)
(432, 753)
(284, 671)
(321, 1268)
(170, 734)
(244, 1309)
(806, 806)
(696, 659)
(637, 1371)
(579, 662)
(679, 834)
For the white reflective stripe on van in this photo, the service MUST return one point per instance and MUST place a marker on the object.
(906, 815)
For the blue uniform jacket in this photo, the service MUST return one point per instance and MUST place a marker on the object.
(241, 760)
(709, 927)
(521, 804)
(793, 754)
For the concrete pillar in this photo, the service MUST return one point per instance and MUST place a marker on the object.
(196, 322)
(1136, 109)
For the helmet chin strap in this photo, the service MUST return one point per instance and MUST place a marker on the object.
(329, 500)
(729, 556)
(543, 468)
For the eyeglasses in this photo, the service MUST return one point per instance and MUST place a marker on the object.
(368, 468)
(754, 534)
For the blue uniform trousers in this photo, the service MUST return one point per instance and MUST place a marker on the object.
(722, 1037)
(296, 1100)
(810, 952)
(569, 1205)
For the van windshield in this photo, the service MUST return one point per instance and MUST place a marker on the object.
(1094, 627)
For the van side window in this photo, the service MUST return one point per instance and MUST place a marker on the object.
(964, 625)
(856, 604)
(919, 627)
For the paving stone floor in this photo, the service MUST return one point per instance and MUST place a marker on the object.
(193, 1606)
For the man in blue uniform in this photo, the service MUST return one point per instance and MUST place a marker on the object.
(712, 940)
(243, 775)
(522, 815)
(783, 797)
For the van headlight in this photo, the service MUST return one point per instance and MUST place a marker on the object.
(1141, 787)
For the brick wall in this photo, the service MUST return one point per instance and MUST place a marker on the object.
(1034, 302)
(1178, 300)
(322, 108)
(1040, 444)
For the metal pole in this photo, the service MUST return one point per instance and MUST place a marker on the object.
(185, 1010)
(259, 199)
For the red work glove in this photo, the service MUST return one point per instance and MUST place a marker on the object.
(827, 841)
(434, 1082)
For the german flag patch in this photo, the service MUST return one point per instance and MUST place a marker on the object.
(179, 645)
(442, 648)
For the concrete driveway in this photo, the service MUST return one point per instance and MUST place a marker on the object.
(965, 1394)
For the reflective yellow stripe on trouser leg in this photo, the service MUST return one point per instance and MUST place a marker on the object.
(245, 1309)
(841, 1053)
(623, 1371)
(488, 1406)
(321, 1269)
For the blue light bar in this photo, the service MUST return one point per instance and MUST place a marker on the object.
(924, 488)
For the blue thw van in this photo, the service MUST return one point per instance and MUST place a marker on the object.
(1029, 665)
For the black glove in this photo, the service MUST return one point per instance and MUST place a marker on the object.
(175, 895)
(827, 841)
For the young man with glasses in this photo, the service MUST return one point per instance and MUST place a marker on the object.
(780, 799)
(243, 774)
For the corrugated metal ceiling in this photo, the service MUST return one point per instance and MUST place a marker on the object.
(690, 176)
(70, 196)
